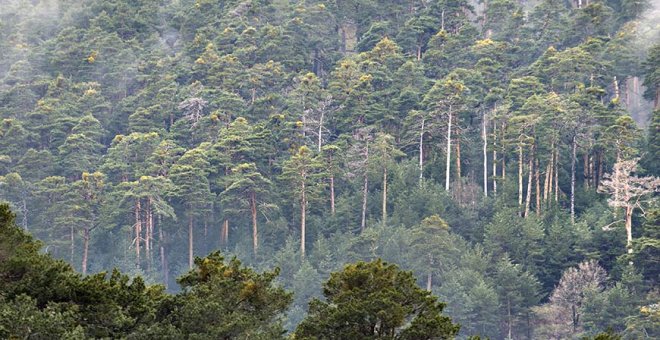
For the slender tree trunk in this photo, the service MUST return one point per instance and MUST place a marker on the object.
(585, 170)
(485, 150)
(520, 178)
(303, 215)
(190, 237)
(73, 242)
(458, 158)
(421, 151)
(320, 140)
(253, 209)
(510, 321)
(85, 249)
(530, 166)
(537, 176)
(556, 173)
(363, 223)
(573, 159)
(447, 171)
(600, 169)
(332, 194)
(494, 158)
(163, 261)
(384, 218)
(138, 232)
(147, 240)
(546, 181)
(629, 213)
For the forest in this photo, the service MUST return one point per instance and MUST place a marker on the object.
(492, 163)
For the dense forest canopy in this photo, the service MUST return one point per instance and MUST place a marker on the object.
(505, 152)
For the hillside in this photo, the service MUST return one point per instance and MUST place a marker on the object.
(503, 151)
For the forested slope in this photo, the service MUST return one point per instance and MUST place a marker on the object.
(501, 150)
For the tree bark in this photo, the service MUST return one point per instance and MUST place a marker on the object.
(190, 238)
(573, 160)
(429, 281)
(495, 158)
(332, 194)
(85, 249)
(163, 260)
(629, 212)
(556, 173)
(253, 210)
(530, 166)
(485, 155)
(520, 178)
(365, 189)
(138, 232)
(421, 151)
(448, 165)
(73, 243)
(537, 175)
(303, 215)
(384, 218)
(320, 140)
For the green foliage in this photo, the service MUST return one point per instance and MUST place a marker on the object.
(375, 300)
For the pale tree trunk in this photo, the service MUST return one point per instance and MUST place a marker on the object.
(421, 151)
(537, 176)
(629, 212)
(332, 194)
(546, 181)
(85, 249)
(138, 232)
(585, 170)
(224, 232)
(510, 321)
(303, 215)
(485, 150)
(494, 158)
(556, 173)
(528, 197)
(363, 223)
(163, 260)
(73, 243)
(253, 210)
(320, 140)
(147, 240)
(573, 159)
(520, 178)
(458, 158)
(384, 218)
(190, 238)
(447, 173)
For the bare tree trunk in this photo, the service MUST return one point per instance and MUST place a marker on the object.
(520, 178)
(485, 150)
(510, 321)
(629, 212)
(546, 181)
(332, 194)
(253, 209)
(320, 140)
(73, 242)
(556, 173)
(384, 218)
(530, 166)
(147, 240)
(224, 232)
(537, 175)
(163, 261)
(421, 151)
(303, 215)
(138, 232)
(190, 238)
(495, 158)
(458, 158)
(365, 189)
(447, 174)
(85, 249)
(573, 159)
